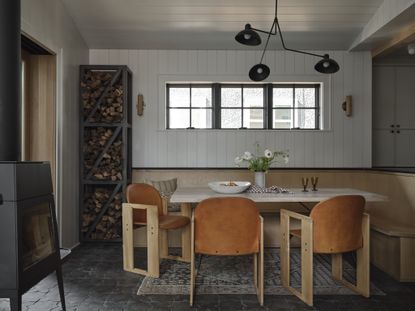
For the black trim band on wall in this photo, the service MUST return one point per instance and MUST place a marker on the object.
(406, 170)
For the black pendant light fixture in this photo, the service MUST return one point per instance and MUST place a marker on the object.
(259, 72)
(248, 36)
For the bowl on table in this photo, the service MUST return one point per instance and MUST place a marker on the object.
(229, 187)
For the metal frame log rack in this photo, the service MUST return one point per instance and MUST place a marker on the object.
(105, 97)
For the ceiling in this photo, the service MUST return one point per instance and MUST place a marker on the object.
(212, 24)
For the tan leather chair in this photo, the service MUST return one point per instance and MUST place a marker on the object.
(145, 207)
(335, 226)
(228, 227)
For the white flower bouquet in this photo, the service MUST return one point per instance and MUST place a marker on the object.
(262, 163)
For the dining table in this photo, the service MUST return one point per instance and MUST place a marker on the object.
(186, 196)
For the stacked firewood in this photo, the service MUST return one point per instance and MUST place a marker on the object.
(110, 108)
(110, 167)
(110, 225)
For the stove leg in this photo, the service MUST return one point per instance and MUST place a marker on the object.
(60, 285)
(16, 302)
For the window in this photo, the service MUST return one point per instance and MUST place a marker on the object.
(243, 106)
(189, 106)
(296, 107)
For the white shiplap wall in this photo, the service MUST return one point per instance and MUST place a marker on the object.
(347, 143)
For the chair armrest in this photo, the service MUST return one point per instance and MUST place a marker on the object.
(152, 213)
(294, 215)
(139, 206)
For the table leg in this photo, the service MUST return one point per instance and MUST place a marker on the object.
(186, 210)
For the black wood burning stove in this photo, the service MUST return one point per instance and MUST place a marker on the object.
(29, 244)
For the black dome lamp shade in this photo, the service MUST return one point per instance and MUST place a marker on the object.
(248, 36)
(259, 72)
(327, 65)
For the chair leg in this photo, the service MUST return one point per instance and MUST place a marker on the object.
(307, 262)
(337, 266)
(164, 244)
(255, 271)
(363, 264)
(306, 293)
(153, 256)
(285, 250)
(186, 210)
(192, 265)
(363, 260)
(261, 266)
(128, 234)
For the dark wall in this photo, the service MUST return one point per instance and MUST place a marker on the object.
(10, 83)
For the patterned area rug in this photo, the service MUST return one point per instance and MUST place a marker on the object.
(234, 275)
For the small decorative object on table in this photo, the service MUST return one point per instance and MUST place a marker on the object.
(305, 183)
(314, 182)
(260, 164)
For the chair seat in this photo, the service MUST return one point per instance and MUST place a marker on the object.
(168, 222)
(296, 233)
(173, 221)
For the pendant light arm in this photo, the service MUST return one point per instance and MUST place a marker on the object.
(273, 33)
(278, 29)
(266, 43)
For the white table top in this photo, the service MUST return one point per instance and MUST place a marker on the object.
(197, 194)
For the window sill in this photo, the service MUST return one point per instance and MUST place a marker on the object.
(244, 130)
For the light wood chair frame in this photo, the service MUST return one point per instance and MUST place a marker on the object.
(157, 239)
(362, 285)
(258, 265)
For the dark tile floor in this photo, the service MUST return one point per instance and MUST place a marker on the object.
(94, 280)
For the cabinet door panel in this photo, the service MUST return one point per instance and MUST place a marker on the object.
(405, 97)
(405, 148)
(383, 97)
(383, 148)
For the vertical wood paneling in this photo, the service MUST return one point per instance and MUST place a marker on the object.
(348, 123)
(336, 111)
(192, 151)
(346, 143)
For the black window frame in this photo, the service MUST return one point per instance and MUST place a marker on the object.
(293, 107)
(268, 107)
(190, 108)
(242, 107)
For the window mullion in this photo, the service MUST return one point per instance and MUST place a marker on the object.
(293, 108)
(190, 108)
(242, 106)
(217, 106)
(268, 105)
(317, 105)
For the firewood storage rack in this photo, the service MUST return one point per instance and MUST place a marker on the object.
(105, 97)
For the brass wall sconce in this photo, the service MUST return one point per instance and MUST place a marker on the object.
(140, 105)
(347, 106)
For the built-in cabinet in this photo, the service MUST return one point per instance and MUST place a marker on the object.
(393, 116)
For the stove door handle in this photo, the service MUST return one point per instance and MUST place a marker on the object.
(1, 199)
